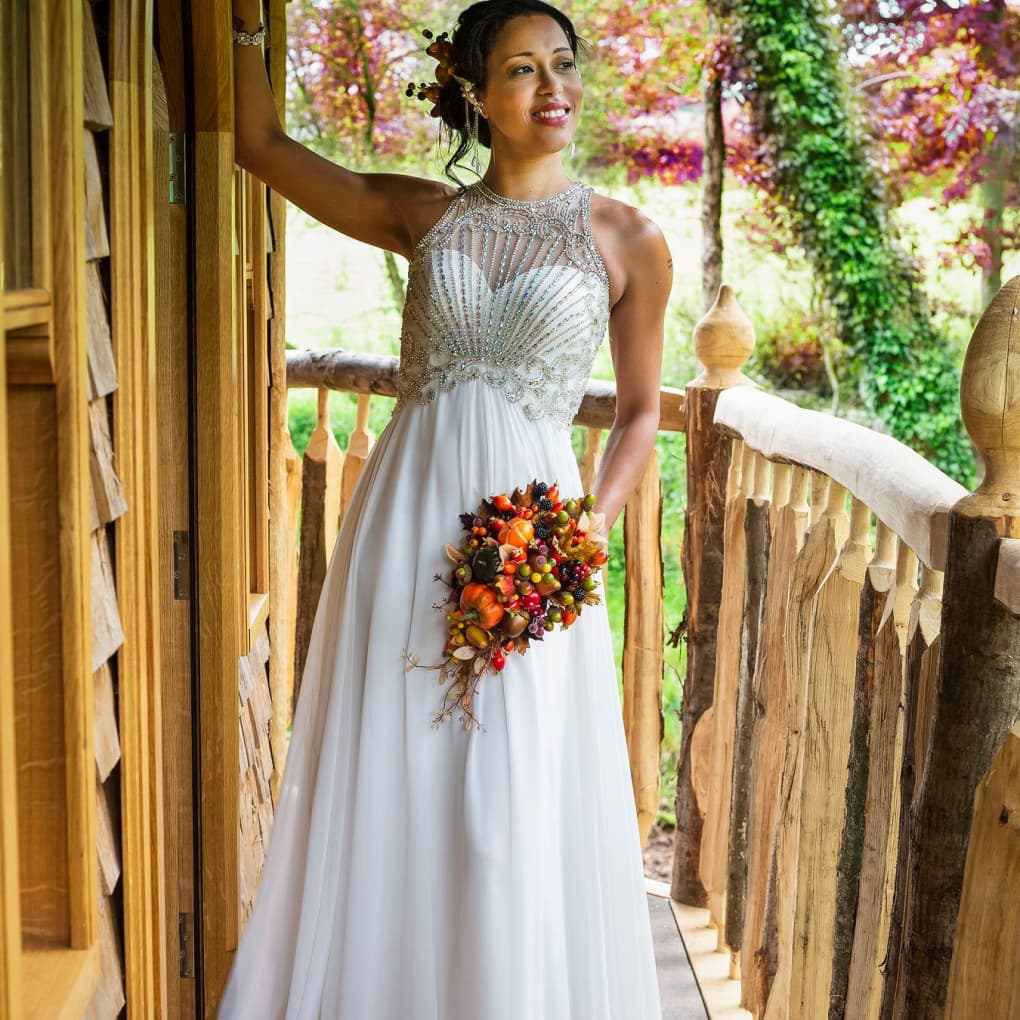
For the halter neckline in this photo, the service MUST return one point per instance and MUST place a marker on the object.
(520, 203)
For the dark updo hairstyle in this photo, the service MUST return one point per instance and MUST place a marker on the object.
(472, 42)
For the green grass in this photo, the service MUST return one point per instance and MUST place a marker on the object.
(338, 296)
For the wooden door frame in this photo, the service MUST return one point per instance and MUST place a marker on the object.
(132, 303)
(222, 632)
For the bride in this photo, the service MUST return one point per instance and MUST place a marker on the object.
(441, 872)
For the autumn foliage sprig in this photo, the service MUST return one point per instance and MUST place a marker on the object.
(526, 564)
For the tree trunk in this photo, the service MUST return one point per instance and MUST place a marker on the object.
(711, 190)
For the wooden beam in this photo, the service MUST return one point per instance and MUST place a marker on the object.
(10, 906)
(132, 304)
(222, 608)
(67, 208)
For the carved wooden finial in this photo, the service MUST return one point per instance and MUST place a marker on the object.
(723, 341)
(990, 400)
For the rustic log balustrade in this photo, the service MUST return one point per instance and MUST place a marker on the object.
(863, 647)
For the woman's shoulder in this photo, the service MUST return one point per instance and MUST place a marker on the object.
(628, 240)
(626, 223)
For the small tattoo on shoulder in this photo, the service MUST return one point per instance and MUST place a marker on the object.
(669, 262)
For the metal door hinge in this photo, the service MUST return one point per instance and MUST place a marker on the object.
(177, 189)
(182, 565)
(186, 944)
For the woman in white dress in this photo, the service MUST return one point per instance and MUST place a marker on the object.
(424, 872)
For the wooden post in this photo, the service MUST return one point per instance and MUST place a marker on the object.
(757, 544)
(882, 796)
(984, 980)
(816, 559)
(920, 674)
(789, 528)
(878, 582)
(358, 447)
(723, 341)
(714, 847)
(320, 514)
(282, 579)
(829, 701)
(977, 696)
(643, 642)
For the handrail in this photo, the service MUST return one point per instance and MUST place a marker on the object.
(916, 506)
(337, 369)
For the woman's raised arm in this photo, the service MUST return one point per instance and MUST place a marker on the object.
(380, 209)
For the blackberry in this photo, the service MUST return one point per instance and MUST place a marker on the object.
(579, 593)
(540, 489)
(545, 503)
(571, 573)
(541, 531)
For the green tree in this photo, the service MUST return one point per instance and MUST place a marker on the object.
(815, 160)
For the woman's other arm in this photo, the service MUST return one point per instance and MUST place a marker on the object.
(369, 207)
(636, 327)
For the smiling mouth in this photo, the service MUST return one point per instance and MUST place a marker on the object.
(552, 116)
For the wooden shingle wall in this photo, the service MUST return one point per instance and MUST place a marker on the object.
(107, 505)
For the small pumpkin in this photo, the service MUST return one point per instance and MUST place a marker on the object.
(518, 532)
(481, 599)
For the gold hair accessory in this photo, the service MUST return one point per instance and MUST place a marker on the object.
(441, 49)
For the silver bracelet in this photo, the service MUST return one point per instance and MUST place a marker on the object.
(242, 38)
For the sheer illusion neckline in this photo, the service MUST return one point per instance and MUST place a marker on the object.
(520, 203)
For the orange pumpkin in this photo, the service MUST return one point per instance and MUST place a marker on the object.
(517, 532)
(481, 599)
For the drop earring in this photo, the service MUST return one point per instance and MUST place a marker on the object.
(472, 111)
(573, 148)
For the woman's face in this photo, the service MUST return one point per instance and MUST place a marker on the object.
(532, 95)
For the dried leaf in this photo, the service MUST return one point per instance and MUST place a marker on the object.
(455, 554)
(464, 652)
(479, 664)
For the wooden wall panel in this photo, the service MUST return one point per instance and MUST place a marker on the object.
(38, 649)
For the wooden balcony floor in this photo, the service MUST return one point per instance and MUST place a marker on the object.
(678, 988)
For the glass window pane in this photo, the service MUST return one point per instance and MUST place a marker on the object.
(15, 144)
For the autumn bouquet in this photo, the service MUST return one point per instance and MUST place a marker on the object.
(526, 564)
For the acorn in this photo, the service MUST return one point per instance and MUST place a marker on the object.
(478, 636)
(515, 623)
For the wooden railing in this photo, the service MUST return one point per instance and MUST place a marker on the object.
(320, 486)
(852, 710)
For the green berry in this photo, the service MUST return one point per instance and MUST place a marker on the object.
(588, 583)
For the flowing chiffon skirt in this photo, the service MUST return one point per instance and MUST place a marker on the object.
(422, 873)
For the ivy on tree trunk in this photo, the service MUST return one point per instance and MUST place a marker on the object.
(787, 58)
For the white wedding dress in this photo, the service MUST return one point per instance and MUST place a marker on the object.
(417, 872)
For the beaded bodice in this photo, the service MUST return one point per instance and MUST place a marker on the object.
(511, 292)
